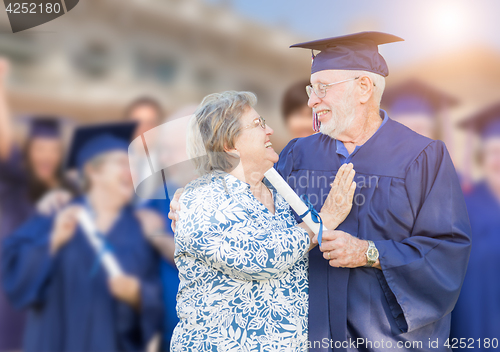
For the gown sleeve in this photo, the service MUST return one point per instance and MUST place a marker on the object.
(423, 274)
(284, 166)
(26, 262)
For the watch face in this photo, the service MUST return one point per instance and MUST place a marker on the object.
(372, 254)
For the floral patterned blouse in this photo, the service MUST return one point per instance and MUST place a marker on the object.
(243, 270)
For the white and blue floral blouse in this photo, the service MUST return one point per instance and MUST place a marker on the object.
(243, 270)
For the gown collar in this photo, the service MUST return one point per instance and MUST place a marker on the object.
(342, 150)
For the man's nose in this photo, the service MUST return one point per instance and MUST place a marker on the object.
(313, 100)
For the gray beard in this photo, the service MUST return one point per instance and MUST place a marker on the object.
(338, 124)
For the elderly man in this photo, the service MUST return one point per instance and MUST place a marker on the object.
(390, 275)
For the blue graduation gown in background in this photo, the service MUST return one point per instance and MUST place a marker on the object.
(169, 277)
(409, 202)
(15, 208)
(69, 304)
(477, 313)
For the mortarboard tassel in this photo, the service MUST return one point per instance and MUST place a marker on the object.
(316, 123)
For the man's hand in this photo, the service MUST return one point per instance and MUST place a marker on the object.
(175, 206)
(64, 228)
(127, 289)
(338, 204)
(152, 223)
(153, 227)
(53, 201)
(343, 250)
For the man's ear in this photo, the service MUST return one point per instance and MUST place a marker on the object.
(366, 89)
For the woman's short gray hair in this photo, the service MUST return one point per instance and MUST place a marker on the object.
(214, 127)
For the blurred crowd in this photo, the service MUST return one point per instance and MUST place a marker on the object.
(44, 181)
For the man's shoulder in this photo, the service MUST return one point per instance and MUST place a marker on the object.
(312, 140)
(401, 133)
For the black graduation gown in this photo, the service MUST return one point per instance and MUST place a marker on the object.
(409, 202)
(69, 304)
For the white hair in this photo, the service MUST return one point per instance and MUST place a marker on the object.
(378, 81)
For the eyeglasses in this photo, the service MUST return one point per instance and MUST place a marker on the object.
(320, 89)
(258, 121)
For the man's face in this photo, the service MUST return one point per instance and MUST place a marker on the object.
(336, 110)
(146, 117)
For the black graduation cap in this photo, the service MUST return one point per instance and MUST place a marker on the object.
(486, 122)
(90, 141)
(44, 126)
(358, 51)
(413, 95)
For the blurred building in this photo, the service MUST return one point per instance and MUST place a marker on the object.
(91, 62)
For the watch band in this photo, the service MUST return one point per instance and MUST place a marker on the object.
(371, 259)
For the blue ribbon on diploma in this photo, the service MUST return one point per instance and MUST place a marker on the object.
(314, 215)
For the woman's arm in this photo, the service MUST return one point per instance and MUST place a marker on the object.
(6, 134)
(27, 263)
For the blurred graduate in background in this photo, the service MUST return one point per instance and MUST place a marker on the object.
(296, 114)
(147, 113)
(26, 175)
(50, 269)
(422, 108)
(477, 313)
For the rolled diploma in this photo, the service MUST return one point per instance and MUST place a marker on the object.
(108, 261)
(292, 198)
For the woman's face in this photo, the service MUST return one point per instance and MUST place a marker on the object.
(113, 176)
(491, 161)
(253, 144)
(45, 157)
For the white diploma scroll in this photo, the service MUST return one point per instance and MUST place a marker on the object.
(292, 198)
(107, 259)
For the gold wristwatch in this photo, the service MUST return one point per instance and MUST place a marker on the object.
(371, 254)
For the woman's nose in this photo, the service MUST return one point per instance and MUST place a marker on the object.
(269, 130)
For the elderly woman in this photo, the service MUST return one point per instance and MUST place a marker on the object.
(241, 256)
